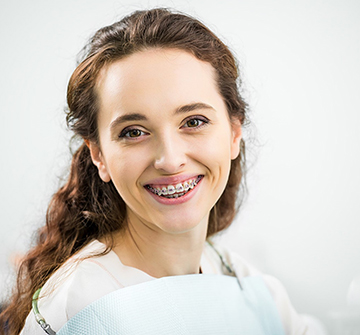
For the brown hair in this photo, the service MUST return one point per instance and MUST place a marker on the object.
(87, 208)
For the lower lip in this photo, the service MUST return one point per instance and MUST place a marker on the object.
(176, 201)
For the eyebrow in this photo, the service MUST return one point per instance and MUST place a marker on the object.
(191, 107)
(141, 117)
(127, 117)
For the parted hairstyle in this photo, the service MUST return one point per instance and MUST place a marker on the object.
(86, 208)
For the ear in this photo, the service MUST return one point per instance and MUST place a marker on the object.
(236, 138)
(98, 160)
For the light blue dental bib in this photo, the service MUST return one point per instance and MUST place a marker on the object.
(182, 305)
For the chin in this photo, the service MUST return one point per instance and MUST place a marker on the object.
(184, 224)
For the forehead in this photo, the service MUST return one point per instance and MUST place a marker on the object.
(156, 78)
(154, 63)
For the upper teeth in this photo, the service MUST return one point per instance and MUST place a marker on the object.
(178, 188)
(170, 189)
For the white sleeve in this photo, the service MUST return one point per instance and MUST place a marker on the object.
(91, 282)
(31, 326)
(293, 323)
(66, 294)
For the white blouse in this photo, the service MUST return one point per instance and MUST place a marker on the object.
(79, 282)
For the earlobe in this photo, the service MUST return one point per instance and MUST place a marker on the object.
(98, 161)
(236, 138)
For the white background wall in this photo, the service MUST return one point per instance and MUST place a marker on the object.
(300, 63)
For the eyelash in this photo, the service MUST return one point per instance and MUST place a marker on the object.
(204, 121)
(127, 131)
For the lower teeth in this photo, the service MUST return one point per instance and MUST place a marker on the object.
(176, 195)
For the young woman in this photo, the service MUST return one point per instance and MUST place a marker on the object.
(126, 248)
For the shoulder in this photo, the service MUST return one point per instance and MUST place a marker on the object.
(215, 256)
(293, 322)
(83, 279)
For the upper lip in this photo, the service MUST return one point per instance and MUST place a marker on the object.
(171, 180)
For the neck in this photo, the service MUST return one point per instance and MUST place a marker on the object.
(160, 253)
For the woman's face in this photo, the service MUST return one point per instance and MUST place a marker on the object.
(166, 141)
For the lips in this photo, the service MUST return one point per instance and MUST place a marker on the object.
(174, 190)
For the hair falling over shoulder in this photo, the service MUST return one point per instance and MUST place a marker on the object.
(75, 216)
(86, 208)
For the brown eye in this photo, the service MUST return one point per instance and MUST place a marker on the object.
(131, 133)
(134, 133)
(192, 123)
(196, 122)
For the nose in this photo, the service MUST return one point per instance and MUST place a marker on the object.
(170, 154)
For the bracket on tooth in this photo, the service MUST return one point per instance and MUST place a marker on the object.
(171, 189)
(179, 188)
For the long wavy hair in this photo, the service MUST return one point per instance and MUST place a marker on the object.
(86, 208)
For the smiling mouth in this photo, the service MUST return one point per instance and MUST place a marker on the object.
(175, 191)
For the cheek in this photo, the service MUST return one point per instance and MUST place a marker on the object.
(125, 168)
(214, 153)
(215, 147)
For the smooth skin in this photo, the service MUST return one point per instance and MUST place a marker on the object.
(161, 119)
